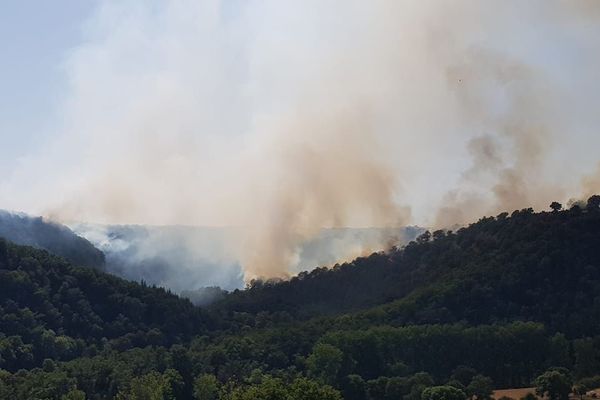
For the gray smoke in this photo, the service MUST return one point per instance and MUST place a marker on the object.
(284, 118)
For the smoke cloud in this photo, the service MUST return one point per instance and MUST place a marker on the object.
(514, 107)
(281, 118)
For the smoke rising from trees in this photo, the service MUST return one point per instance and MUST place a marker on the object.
(281, 118)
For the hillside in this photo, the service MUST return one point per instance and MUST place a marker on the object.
(56, 238)
(186, 258)
(50, 309)
(542, 267)
(492, 305)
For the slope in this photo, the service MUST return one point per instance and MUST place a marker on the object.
(56, 238)
(50, 309)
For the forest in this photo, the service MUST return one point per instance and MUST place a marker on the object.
(509, 301)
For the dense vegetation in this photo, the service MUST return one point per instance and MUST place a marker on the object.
(56, 238)
(541, 267)
(49, 309)
(510, 301)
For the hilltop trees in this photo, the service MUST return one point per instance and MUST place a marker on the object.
(555, 206)
(206, 387)
(450, 316)
(443, 393)
(325, 362)
(480, 388)
(555, 384)
(593, 203)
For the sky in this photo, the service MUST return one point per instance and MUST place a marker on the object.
(35, 38)
(283, 117)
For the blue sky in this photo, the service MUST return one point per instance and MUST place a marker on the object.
(35, 36)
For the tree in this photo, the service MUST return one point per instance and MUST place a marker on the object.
(424, 237)
(417, 384)
(206, 387)
(3, 250)
(174, 384)
(325, 362)
(152, 386)
(554, 384)
(560, 350)
(354, 388)
(587, 359)
(481, 387)
(555, 206)
(73, 394)
(5, 390)
(580, 390)
(463, 374)
(269, 389)
(305, 389)
(529, 396)
(443, 393)
(593, 203)
(457, 384)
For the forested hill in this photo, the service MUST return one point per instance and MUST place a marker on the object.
(56, 238)
(525, 266)
(510, 301)
(50, 309)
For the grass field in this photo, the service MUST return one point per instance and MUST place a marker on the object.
(513, 393)
(517, 394)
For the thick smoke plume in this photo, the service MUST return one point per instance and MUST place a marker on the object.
(514, 107)
(281, 118)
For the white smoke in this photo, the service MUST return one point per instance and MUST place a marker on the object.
(284, 117)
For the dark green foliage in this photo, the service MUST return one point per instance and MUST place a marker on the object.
(51, 310)
(206, 387)
(443, 393)
(554, 385)
(480, 388)
(56, 238)
(325, 362)
(542, 267)
(492, 305)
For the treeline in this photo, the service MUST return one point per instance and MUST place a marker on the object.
(510, 301)
(48, 235)
(380, 363)
(527, 266)
(50, 309)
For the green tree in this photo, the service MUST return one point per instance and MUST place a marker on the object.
(554, 384)
(73, 394)
(269, 389)
(151, 386)
(5, 390)
(174, 385)
(416, 384)
(206, 387)
(306, 389)
(559, 351)
(325, 362)
(355, 388)
(396, 387)
(443, 393)
(463, 374)
(587, 360)
(593, 203)
(481, 387)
